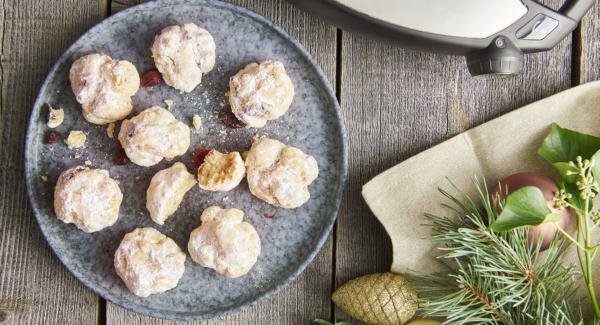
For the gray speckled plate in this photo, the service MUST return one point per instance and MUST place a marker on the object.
(290, 238)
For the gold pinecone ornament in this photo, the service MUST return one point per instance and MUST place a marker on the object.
(378, 299)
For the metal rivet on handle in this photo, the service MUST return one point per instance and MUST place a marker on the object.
(500, 42)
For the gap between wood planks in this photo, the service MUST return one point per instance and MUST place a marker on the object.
(576, 52)
(338, 94)
(2, 37)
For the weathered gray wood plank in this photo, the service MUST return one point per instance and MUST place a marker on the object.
(34, 287)
(399, 102)
(308, 296)
(589, 63)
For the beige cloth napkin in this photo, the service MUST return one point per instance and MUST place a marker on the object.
(401, 195)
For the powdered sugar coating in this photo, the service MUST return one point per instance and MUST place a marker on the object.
(104, 86)
(280, 174)
(224, 242)
(182, 54)
(149, 262)
(166, 191)
(260, 92)
(152, 135)
(88, 198)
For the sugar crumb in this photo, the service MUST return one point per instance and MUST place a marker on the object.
(197, 122)
(76, 139)
(110, 130)
(55, 117)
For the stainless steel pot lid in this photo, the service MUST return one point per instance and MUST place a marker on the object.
(444, 17)
(492, 34)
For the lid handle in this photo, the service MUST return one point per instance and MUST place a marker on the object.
(575, 9)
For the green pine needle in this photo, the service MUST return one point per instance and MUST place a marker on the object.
(494, 278)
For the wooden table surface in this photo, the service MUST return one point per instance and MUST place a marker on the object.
(395, 103)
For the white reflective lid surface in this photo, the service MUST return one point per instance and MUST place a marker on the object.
(460, 18)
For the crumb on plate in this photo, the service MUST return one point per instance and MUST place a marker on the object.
(56, 116)
(197, 122)
(110, 130)
(76, 139)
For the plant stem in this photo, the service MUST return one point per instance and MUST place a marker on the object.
(566, 234)
(588, 259)
(580, 251)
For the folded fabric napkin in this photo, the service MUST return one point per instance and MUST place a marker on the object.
(401, 195)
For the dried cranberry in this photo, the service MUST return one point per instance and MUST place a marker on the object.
(120, 157)
(232, 121)
(151, 78)
(52, 137)
(199, 156)
(269, 215)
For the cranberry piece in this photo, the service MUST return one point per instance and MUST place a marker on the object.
(269, 215)
(120, 157)
(52, 137)
(150, 79)
(199, 156)
(232, 121)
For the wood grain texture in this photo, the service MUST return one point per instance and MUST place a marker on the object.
(308, 296)
(34, 287)
(396, 103)
(589, 32)
(399, 102)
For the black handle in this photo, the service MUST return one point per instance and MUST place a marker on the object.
(504, 55)
(567, 18)
(572, 9)
(575, 9)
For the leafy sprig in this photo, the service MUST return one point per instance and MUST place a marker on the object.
(493, 278)
(576, 157)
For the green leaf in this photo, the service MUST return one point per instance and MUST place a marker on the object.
(596, 165)
(322, 322)
(564, 145)
(563, 168)
(575, 199)
(524, 207)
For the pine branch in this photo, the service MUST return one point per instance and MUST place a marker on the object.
(497, 278)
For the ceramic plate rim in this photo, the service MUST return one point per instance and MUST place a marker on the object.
(176, 315)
